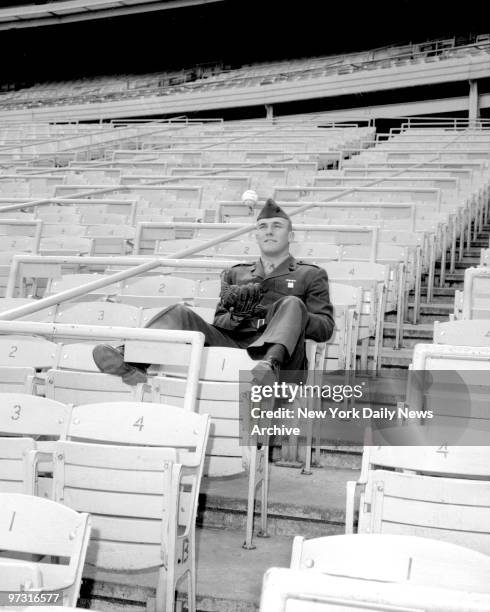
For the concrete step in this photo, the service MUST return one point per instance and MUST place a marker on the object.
(480, 242)
(408, 342)
(444, 295)
(229, 578)
(317, 505)
(434, 311)
(412, 334)
(443, 308)
(439, 292)
(455, 278)
(419, 330)
(466, 262)
(396, 358)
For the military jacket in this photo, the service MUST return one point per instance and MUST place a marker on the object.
(305, 281)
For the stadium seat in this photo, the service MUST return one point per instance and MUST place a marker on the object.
(76, 379)
(155, 291)
(218, 395)
(475, 332)
(43, 527)
(70, 281)
(66, 245)
(441, 492)
(136, 467)
(23, 360)
(39, 419)
(98, 313)
(408, 560)
(286, 590)
(474, 301)
(208, 293)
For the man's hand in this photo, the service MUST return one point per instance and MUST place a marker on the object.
(242, 300)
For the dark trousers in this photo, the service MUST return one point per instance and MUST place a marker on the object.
(285, 324)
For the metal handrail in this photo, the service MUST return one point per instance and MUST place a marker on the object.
(194, 338)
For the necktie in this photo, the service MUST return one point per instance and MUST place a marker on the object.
(269, 267)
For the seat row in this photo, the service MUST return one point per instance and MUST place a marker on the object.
(134, 467)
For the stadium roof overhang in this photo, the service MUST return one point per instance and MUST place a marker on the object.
(28, 16)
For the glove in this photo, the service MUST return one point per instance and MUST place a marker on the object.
(242, 300)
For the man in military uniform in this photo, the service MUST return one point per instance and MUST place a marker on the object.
(268, 307)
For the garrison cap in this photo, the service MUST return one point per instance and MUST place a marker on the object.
(271, 209)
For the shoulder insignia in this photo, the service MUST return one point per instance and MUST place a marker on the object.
(306, 263)
(239, 265)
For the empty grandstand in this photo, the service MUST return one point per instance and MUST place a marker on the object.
(154, 492)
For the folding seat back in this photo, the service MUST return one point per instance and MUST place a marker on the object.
(20, 235)
(107, 246)
(21, 356)
(184, 214)
(105, 219)
(28, 415)
(17, 214)
(152, 215)
(209, 288)
(170, 247)
(442, 492)
(218, 395)
(440, 357)
(214, 231)
(318, 250)
(119, 465)
(98, 313)
(154, 291)
(463, 332)
(17, 473)
(246, 250)
(66, 245)
(287, 590)
(159, 195)
(372, 277)
(391, 253)
(99, 229)
(42, 527)
(347, 300)
(27, 351)
(208, 292)
(35, 418)
(47, 216)
(397, 559)
(19, 244)
(476, 294)
(70, 281)
(63, 229)
(121, 205)
(401, 237)
(44, 315)
(76, 379)
(451, 382)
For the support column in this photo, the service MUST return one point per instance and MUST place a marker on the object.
(473, 107)
(269, 112)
